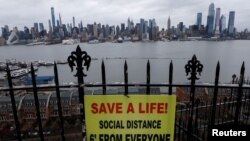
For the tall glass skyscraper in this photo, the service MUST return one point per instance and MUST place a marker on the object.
(210, 19)
(199, 20)
(231, 22)
(217, 20)
(53, 18)
(223, 23)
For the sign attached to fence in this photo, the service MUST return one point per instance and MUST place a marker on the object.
(133, 118)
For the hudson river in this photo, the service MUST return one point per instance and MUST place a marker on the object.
(231, 54)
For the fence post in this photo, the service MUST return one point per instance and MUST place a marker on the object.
(80, 59)
(217, 74)
(170, 78)
(59, 102)
(239, 96)
(103, 79)
(13, 102)
(38, 116)
(126, 78)
(148, 78)
(192, 67)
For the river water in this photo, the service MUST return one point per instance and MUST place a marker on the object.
(230, 54)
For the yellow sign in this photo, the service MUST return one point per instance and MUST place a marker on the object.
(133, 118)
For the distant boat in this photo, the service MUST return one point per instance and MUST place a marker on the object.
(70, 41)
(95, 41)
(120, 40)
(21, 72)
(36, 43)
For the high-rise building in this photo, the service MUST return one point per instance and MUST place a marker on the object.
(223, 23)
(129, 24)
(210, 19)
(141, 28)
(74, 22)
(231, 22)
(53, 18)
(199, 20)
(169, 23)
(36, 27)
(95, 30)
(41, 27)
(122, 27)
(217, 23)
(50, 27)
(60, 20)
(217, 18)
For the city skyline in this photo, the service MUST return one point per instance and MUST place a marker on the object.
(116, 12)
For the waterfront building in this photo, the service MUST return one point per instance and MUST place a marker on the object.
(217, 22)
(223, 23)
(199, 20)
(141, 28)
(231, 23)
(41, 27)
(36, 27)
(60, 20)
(74, 22)
(210, 19)
(117, 31)
(50, 27)
(26, 33)
(169, 24)
(129, 24)
(53, 18)
(5, 32)
(95, 28)
(13, 38)
(122, 27)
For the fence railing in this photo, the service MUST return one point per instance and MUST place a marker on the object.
(193, 116)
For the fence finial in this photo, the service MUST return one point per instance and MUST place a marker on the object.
(193, 67)
(77, 58)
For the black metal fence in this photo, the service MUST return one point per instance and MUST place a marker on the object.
(199, 106)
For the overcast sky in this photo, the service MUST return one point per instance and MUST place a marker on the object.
(25, 12)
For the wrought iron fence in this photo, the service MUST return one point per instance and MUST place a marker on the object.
(199, 106)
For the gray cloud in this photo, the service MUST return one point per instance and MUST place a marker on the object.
(26, 12)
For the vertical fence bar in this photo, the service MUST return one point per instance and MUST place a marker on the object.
(193, 68)
(126, 77)
(13, 102)
(148, 78)
(59, 102)
(80, 59)
(104, 89)
(217, 74)
(38, 117)
(170, 78)
(239, 97)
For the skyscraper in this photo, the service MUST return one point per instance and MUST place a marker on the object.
(199, 20)
(223, 23)
(41, 27)
(50, 27)
(74, 22)
(217, 18)
(210, 19)
(36, 27)
(217, 22)
(231, 22)
(53, 18)
(129, 24)
(60, 20)
(169, 24)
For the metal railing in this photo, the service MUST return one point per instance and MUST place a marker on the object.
(192, 116)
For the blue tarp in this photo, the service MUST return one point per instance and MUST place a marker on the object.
(39, 80)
